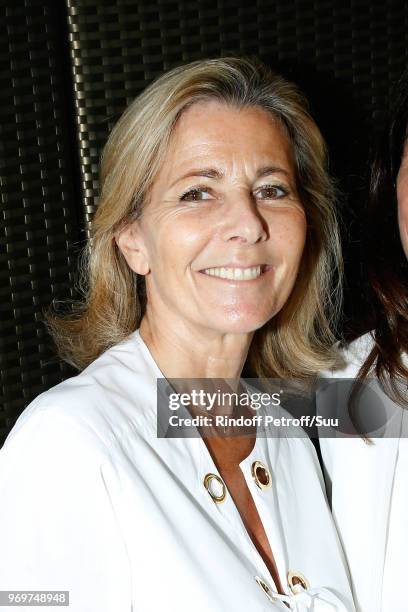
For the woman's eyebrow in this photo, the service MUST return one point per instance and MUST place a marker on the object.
(207, 172)
(213, 173)
(265, 170)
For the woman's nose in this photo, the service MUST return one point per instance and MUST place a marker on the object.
(242, 220)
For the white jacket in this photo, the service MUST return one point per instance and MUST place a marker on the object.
(94, 503)
(368, 487)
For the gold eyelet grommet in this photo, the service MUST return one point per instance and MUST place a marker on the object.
(297, 582)
(261, 475)
(265, 588)
(215, 487)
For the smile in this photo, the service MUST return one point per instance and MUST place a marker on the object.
(237, 274)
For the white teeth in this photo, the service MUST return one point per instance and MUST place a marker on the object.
(235, 273)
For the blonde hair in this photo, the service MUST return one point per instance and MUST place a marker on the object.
(298, 341)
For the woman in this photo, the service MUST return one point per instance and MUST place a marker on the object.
(213, 245)
(368, 477)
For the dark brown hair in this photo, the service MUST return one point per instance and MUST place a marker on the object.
(387, 303)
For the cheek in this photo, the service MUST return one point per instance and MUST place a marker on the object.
(176, 241)
(288, 237)
(402, 196)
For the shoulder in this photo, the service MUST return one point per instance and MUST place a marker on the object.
(46, 439)
(95, 406)
(357, 351)
(354, 355)
(50, 461)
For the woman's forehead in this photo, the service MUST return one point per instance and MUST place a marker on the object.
(209, 118)
(214, 132)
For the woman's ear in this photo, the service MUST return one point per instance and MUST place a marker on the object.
(131, 244)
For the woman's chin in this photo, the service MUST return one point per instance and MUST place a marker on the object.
(240, 324)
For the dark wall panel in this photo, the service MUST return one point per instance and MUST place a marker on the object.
(355, 50)
(39, 219)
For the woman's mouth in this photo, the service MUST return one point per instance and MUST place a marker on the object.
(238, 274)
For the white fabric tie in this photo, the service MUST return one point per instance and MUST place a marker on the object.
(313, 600)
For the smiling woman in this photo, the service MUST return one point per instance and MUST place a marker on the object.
(222, 255)
(214, 245)
(285, 178)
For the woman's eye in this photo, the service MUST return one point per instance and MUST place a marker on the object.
(272, 192)
(195, 195)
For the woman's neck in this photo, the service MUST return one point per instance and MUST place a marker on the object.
(182, 351)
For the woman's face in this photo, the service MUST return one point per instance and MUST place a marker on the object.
(402, 196)
(222, 234)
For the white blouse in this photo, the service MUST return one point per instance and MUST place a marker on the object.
(94, 503)
(368, 488)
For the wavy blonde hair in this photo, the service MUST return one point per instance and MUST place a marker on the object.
(298, 341)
